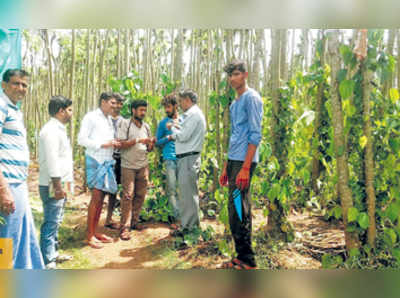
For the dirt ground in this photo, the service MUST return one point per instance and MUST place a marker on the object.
(152, 248)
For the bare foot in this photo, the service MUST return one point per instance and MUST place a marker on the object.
(103, 238)
(94, 243)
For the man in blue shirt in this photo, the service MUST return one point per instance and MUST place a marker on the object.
(246, 114)
(165, 141)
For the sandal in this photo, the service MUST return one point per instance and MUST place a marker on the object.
(137, 227)
(237, 265)
(113, 225)
(124, 234)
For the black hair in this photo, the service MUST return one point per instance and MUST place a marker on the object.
(169, 99)
(138, 103)
(239, 65)
(118, 97)
(189, 93)
(58, 102)
(14, 72)
(106, 96)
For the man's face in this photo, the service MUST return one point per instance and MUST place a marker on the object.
(66, 114)
(170, 110)
(237, 79)
(139, 113)
(184, 103)
(16, 88)
(117, 108)
(108, 106)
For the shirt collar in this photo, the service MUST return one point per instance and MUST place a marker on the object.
(58, 123)
(100, 112)
(191, 110)
(9, 102)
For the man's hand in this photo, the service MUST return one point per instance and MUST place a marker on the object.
(243, 178)
(7, 203)
(116, 144)
(59, 194)
(223, 179)
(169, 125)
(112, 143)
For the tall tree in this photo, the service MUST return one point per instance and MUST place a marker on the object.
(345, 192)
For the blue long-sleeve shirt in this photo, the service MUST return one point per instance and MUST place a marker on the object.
(168, 147)
(246, 114)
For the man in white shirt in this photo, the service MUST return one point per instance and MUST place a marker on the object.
(97, 135)
(55, 176)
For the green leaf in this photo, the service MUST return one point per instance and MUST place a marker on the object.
(306, 176)
(274, 192)
(337, 212)
(352, 214)
(266, 212)
(394, 144)
(222, 85)
(342, 74)
(211, 212)
(354, 252)
(346, 88)
(340, 151)
(394, 95)
(346, 53)
(363, 141)
(363, 220)
(390, 237)
(392, 212)
(396, 254)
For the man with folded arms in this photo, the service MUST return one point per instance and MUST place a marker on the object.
(188, 132)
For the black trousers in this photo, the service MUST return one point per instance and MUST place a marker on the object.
(241, 230)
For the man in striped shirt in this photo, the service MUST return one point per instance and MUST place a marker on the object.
(14, 161)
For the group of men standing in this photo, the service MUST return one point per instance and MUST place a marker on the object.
(116, 153)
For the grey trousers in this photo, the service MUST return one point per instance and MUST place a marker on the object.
(188, 174)
(172, 173)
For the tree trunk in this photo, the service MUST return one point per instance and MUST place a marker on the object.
(320, 101)
(118, 53)
(305, 48)
(178, 62)
(283, 55)
(292, 50)
(126, 53)
(388, 83)
(48, 50)
(345, 193)
(366, 74)
(71, 87)
(94, 97)
(101, 65)
(275, 78)
(254, 80)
